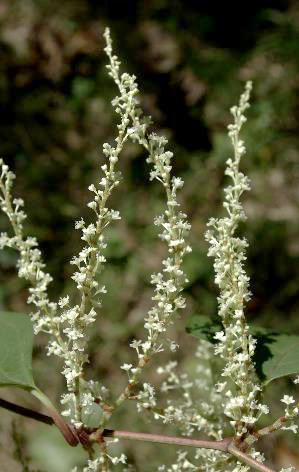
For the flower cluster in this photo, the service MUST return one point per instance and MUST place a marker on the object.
(192, 404)
(169, 283)
(235, 345)
(30, 265)
(91, 258)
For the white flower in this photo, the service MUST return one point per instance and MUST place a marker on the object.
(94, 465)
(126, 367)
(63, 301)
(116, 460)
(220, 336)
(79, 224)
(287, 399)
(292, 427)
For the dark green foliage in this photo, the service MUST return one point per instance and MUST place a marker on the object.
(276, 355)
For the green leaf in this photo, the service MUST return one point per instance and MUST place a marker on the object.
(93, 416)
(16, 341)
(203, 327)
(284, 358)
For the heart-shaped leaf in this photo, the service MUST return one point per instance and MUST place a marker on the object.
(16, 341)
(284, 358)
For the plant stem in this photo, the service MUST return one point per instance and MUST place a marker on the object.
(67, 432)
(232, 449)
(162, 439)
(55, 417)
(21, 410)
(225, 445)
(271, 428)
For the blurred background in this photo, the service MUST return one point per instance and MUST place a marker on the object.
(191, 59)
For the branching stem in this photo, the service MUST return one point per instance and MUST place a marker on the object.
(225, 445)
